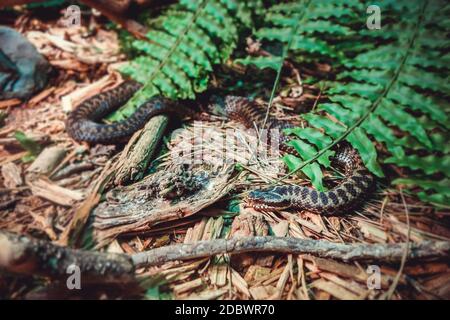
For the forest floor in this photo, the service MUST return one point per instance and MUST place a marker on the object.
(41, 202)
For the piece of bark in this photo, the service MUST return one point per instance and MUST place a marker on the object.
(12, 175)
(346, 270)
(55, 193)
(72, 233)
(71, 169)
(334, 289)
(140, 150)
(9, 103)
(47, 160)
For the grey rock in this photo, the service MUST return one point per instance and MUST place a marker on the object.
(23, 70)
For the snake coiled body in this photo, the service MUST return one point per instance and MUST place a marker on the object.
(348, 193)
(82, 126)
(353, 187)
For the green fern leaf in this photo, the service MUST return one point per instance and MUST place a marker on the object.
(181, 49)
(394, 94)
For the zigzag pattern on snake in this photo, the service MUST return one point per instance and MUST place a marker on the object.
(82, 126)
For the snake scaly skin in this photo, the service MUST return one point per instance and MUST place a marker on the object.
(353, 187)
(357, 180)
(82, 126)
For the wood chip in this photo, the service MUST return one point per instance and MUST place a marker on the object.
(334, 289)
(373, 233)
(12, 175)
(218, 274)
(207, 295)
(262, 292)
(70, 101)
(9, 103)
(41, 96)
(239, 282)
(345, 270)
(188, 286)
(281, 229)
(255, 273)
(55, 193)
(349, 285)
(47, 160)
(281, 284)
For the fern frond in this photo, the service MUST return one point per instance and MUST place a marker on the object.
(323, 24)
(184, 44)
(391, 85)
(387, 90)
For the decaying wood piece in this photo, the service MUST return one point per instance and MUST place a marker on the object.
(139, 150)
(138, 207)
(22, 255)
(72, 233)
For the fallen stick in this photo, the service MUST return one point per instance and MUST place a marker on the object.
(23, 255)
(20, 254)
(320, 248)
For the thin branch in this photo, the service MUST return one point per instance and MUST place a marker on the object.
(20, 254)
(324, 249)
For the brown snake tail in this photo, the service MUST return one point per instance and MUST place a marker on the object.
(82, 126)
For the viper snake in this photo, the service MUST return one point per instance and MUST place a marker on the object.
(82, 125)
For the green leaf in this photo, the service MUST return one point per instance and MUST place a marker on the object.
(430, 164)
(306, 151)
(29, 144)
(442, 186)
(185, 42)
(272, 62)
(314, 136)
(312, 171)
(366, 149)
(437, 199)
(405, 121)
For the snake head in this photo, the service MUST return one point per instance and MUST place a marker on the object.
(228, 106)
(216, 105)
(266, 199)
